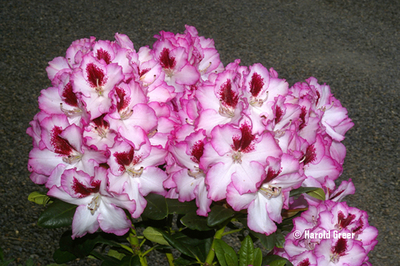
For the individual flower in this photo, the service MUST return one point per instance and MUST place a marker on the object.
(95, 80)
(97, 207)
(130, 114)
(236, 155)
(265, 205)
(190, 178)
(220, 101)
(135, 171)
(62, 149)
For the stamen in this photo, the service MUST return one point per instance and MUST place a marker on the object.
(204, 70)
(94, 204)
(99, 89)
(148, 84)
(133, 172)
(71, 113)
(126, 114)
(270, 191)
(196, 173)
(72, 159)
(237, 157)
(226, 111)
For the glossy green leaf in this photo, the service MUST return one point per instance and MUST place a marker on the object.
(319, 193)
(182, 261)
(267, 241)
(195, 222)
(218, 215)
(155, 236)
(274, 260)
(176, 243)
(280, 239)
(63, 256)
(130, 261)
(175, 206)
(83, 246)
(225, 254)
(246, 252)
(115, 254)
(107, 260)
(58, 214)
(156, 208)
(301, 190)
(39, 198)
(257, 260)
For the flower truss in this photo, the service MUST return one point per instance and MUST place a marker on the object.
(118, 124)
(330, 233)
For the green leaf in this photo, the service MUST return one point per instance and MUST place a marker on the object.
(155, 236)
(318, 194)
(176, 243)
(246, 252)
(58, 214)
(267, 241)
(195, 222)
(133, 260)
(257, 261)
(182, 262)
(301, 190)
(280, 239)
(275, 260)
(115, 254)
(156, 208)
(175, 206)
(218, 215)
(225, 254)
(63, 256)
(83, 246)
(39, 198)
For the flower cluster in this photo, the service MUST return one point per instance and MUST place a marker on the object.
(118, 124)
(330, 233)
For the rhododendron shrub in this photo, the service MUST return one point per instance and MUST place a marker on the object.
(125, 138)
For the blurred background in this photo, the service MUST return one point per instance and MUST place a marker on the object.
(353, 46)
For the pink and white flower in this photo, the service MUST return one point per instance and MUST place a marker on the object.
(97, 207)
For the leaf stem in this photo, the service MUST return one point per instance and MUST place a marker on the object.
(134, 241)
(232, 231)
(211, 253)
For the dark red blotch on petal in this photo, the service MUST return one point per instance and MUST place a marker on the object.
(278, 114)
(143, 71)
(123, 100)
(61, 145)
(340, 247)
(166, 60)
(304, 262)
(344, 222)
(310, 155)
(69, 96)
(80, 188)
(124, 158)
(197, 151)
(100, 122)
(228, 97)
(302, 118)
(102, 54)
(256, 84)
(271, 174)
(243, 144)
(95, 75)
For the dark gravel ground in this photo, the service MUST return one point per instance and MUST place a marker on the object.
(352, 45)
